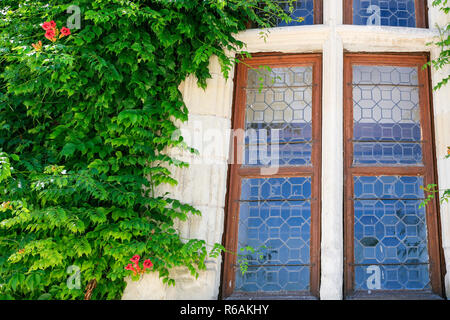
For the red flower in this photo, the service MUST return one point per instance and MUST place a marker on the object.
(53, 24)
(50, 34)
(65, 31)
(129, 267)
(47, 26)
(148, 264)
(138, 269)
(135, 258)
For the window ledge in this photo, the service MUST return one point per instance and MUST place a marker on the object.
(270, 296)
(418, 32)
(384, 38)
(394, 295)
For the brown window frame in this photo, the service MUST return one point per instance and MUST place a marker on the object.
(236, 171)
(318, 11)
(427, 169)
(421, 13)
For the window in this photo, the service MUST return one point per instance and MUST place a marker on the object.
(395, 13)
(278, 213)
(391, 243)
(309, 10)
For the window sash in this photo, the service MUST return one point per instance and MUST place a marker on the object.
(237, 171)
(426, 170)
(421, 10)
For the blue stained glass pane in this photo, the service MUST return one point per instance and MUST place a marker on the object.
(409, 277)
(302, 9)
(274, 279)
(386, 115)
(388, 187)
(289, 154)
(397, 13)
(390, 232)
(278, 126)
(276, 189)
(368, 153)
(275, 219)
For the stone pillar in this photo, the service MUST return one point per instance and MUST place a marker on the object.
(202, 185)
(332, 249)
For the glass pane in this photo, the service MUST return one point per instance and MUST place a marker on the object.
(385, 75)
(279, 117)
(389, 187)
(275, 219)
(274, 279)
(391, 250)
(276, 189)
(409, 277)
(386, 115)
(391, 153)
(397, 13)
(302, 9)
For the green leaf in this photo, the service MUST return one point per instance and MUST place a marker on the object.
(45, 296)
(68, 150)
(86, 124)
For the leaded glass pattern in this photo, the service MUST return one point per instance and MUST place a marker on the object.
(279, 112)
(275, 215)
(397, 13)
(302, 9)
(390, 244)
(386, 115)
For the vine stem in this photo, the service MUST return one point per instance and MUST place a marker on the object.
(89, 289)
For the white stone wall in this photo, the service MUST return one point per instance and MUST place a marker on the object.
(204, 185)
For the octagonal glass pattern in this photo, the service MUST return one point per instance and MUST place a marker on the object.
(390, 244)
(278, 120)
(396, 13)
(386, 116)
(275, 219)
(301, 9)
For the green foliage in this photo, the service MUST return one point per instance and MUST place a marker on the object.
(432, 190)
(444, 43)
(439, 63)
(248, 253)
(84, 125)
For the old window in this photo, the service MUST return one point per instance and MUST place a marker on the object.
(395, 13)
(274, 194)
(392, 244)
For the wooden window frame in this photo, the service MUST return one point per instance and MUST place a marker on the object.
(236, 172)
(427, 170)
(318, 11)
(421, 10)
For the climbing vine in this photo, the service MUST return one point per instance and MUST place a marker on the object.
(439, 63)
(86, 116)
(443, 43)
